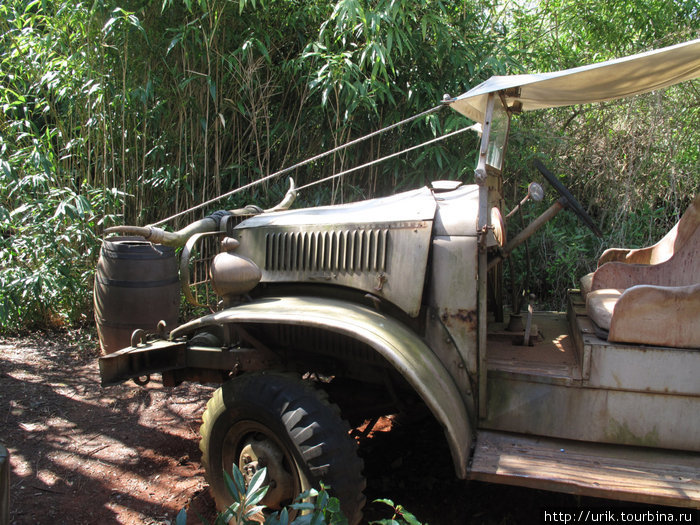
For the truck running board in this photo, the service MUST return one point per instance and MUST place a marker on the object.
(643, 475)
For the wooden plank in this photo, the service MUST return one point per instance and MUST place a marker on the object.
(633, 474)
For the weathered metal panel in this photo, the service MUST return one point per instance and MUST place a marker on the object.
(452, 319)
(457, 211)
(414, 205)
(402, 348)
(338, 250)
(388, 260)
(593, 414)
(442, 344)
(645, 368)
(453, 280)
(379, 246)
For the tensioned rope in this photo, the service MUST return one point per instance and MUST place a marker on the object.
(382, 159)
(302, 163)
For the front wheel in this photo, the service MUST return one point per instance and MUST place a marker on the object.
(284, 424)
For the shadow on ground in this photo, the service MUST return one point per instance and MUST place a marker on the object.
(84, 454)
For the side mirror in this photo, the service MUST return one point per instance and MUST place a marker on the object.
(534, 192)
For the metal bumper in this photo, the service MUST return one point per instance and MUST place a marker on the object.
(168, 356)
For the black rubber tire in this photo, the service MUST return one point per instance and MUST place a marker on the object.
(300, 420)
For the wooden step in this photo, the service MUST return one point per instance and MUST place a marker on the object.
(634, 474)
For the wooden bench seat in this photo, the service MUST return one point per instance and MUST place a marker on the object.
(655, 304)
(648, 314)
(660, 252)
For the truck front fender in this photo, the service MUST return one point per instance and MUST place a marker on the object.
(406, 352)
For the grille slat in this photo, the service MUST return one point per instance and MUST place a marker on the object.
(341, 251)
(381, 251)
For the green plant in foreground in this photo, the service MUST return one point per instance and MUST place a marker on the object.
(401, 515)
(317, 506)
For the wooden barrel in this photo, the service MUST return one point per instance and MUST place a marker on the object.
(136, 286)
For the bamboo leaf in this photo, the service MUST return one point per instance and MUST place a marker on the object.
(175, 41)
(252, 511)
(232, 486)
(108, 25)
(6, 168)
(212, 88)
(407, 516)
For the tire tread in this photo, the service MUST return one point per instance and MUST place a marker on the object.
(312, 423)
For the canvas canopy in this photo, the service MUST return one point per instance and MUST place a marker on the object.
(622, 77)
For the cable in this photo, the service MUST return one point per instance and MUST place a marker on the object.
(302, 163)
(377, 161)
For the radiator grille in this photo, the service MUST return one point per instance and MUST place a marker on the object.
(340, 251)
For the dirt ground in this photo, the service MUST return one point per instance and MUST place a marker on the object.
(83, 454)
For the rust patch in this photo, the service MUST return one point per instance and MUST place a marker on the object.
(461, 318)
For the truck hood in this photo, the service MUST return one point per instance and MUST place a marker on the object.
(379, 246)
(414, 205)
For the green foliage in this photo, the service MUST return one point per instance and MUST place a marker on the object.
(48, 251)
(400, 515)
(557, 34)
(629, 179)
(245, 499)
(376, 63)
(314, 507)
(49, 212)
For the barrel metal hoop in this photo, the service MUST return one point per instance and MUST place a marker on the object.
(135, 284)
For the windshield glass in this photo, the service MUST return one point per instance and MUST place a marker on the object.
(497, 138)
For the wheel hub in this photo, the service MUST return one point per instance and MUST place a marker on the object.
(260, 452)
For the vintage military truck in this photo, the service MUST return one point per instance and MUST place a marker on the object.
(338, 314)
